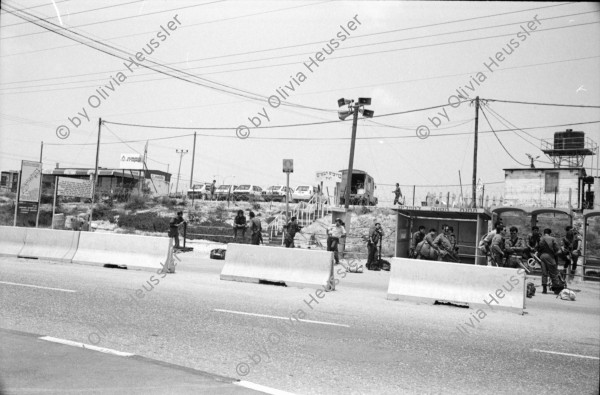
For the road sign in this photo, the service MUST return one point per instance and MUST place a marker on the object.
(288, 165)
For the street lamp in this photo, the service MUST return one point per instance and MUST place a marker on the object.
(181, 152)
(353, 109)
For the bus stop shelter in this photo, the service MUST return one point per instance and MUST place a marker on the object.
(533, 212)
(590, 262)
(470, 224)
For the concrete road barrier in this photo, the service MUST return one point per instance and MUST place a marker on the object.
(293, 267)
(12, 240)
(54, 245)
(482, 286)
(130, 251)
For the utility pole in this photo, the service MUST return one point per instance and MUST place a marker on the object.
(353, 109)
(37, 216)
(144, 167)
(95, 173)
(474, 203)
(181, 152)
(193, 157)
(351, 160)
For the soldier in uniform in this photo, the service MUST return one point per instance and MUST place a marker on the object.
(514, 248)
(374, 238)
(174, 226)
(291, 229)
(548, 250)
(416, 238)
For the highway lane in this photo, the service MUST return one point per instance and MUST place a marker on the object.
(377, 346)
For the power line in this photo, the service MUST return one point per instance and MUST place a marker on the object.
(130, 147)
(124, 141)
(79, 12)
(495, 115)
(494, 112)
(270, 126)
(183, 27)
(542, 104)
(117, 19)
(246, 94)
(41, 5)
(330, 90)
(392, 137)
(414, 127)
(498, 138)
(297, 54)
(293, 55)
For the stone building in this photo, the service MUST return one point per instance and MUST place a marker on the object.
(568, 188)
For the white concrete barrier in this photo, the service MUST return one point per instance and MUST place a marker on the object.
(12, 240)
(130, 251)
(482, 286)
(293, 267)
(54, 245)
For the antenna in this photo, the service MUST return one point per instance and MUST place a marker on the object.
(532, 159)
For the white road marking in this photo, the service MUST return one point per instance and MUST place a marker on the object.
(262, 388)
(281, 318)
(569, 355)
(88, 346)
(37, 286)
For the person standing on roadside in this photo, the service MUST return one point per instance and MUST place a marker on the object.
(334, 233)
(497, 246)
(213, 189)
(291, 229)
(569, 246)
(375, 237)
(255, 228)
(549, 250)
(239, 225)
(174, 225)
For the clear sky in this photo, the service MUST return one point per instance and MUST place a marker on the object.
(221, 60)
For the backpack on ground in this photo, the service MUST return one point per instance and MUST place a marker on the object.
(385, 265)
(530, 290)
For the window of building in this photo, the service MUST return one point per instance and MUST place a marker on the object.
(551, 184)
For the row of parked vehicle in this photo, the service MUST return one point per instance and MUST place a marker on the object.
(244, 192)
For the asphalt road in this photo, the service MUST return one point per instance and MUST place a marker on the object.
(353, 341)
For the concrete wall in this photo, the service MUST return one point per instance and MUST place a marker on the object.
(526, 187)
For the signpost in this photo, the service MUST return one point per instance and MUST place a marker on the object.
(28, 194)
(288, 167)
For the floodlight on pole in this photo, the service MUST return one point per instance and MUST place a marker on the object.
(368, 113)
(353, 109)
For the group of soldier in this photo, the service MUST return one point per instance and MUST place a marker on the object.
(503, 251)
(543, 248)
(429, 246)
